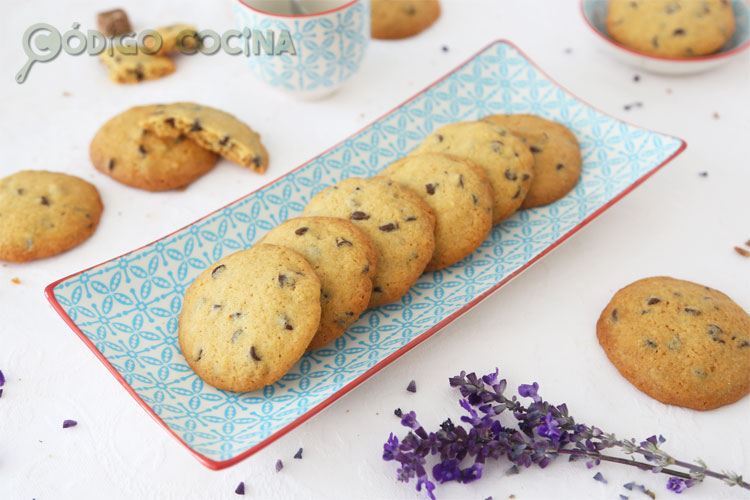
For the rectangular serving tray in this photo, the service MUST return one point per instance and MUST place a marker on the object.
(125, 310)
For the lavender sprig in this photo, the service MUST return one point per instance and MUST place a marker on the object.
(542, 432)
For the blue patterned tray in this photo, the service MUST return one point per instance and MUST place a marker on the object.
(125, 310)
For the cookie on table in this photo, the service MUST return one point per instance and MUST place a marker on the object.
(392, 19)
(135, 68)
(249, 317)
(503, 157)
(212, 129)
(460, 196)
(671, 28)
(132, 155)
(44, 213)
(175, 38)
(557, 156)
(397, 221)
(344, 259)
(681, 343)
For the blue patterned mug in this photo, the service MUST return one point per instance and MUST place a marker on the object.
(307, 48)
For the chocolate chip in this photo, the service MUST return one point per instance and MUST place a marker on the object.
(460, 180)
(224, 141)
(474, 197)
(410, 10)
(285, 280)
(391, 226)
(301, 231)
(677, 294)
(518, 193)
(111, 164)
(359, 216)
(218, 270)
(142, 150)
(430, 188)
(235, 315)
(716, 333)
(288, 325)
(678, 32)
(439, 138)
(237, 334)
(44, 201)
(340, 242)
(366, 269)
(257, 161)
(200, 354)
(139, 74)
(700, 373)
(216, 307)
(694, 312)
(655, 42)
(511, 175)
(535, 149)
(650, 343)
(196, 126)
(559, 166)
(411, 218)
(743, 343)
(254, 354)
(653, 300)
(525, 177)
(377, 289)
(19, 191)
(614, 315)
(169, 121)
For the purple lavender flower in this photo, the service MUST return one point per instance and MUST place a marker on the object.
(2, 379)
(390, 448)
(298, 455)
(530, 391)
(279, 465)
(446, 471)
(472, 473)
(412, 387)
(410, 420)
(240, 490)
(428, 486)
(69, 423)
(549, 428)
(678, 485)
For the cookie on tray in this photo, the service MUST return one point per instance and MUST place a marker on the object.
(137, 157)
(249, 317)
(344, 259)
(503, 157)
(681, 343)
(212, 129)
(392, 19)
(671, 28)
(460, 196)
(44, 213)
(557, 155)
(397, 221)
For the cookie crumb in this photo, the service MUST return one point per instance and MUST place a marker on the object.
(747, 243)
(511, 496)
(16, 281)
(669, 91)
(742, 252)
(67, 94)
(716, 115)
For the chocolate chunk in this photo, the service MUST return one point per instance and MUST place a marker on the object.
(359, 216)
(430, 188)
(235, 315)
(409, 9)
(411, 218)
(716, 333)
(19, 191)
(439, 138)
(110, 165)
(288, 325)
(614, 315)
(678, 32)
(653, 300)
(518, 193)
(377, 289)
(285, 280)
(743, 343)
(257, 160)
(113, 23)
(474, 197)
(218, 270)
(559, 166)
(535, 149)
(391, 226)
(511, 175)
(301, 231)
(650, 343)
(139, 73)
(237, 334)
(224, 141)
(460, 180)
(216, 307)
(525, 177)
(142, 150)
(44, 201)
(254, 354)
(200, 355)
(170, 122)
(340, 242)
(366, 269)
(196, 126)
(694, 312)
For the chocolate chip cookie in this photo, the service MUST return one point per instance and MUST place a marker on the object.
(397, 221)
(137, 157)
(249, 317)
(681, 343)
(503, 157)
(212, 129)
(460, 196)
(344, 259)
(391, 19)
(45, 213)
(557, 155)
(135, 68)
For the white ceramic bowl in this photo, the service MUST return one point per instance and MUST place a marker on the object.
(595, 14)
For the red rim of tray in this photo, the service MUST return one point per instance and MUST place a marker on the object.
(222, 464)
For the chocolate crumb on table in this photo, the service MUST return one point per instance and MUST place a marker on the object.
(742, 252)
(114, 22)
(636, 78)
(703, 174)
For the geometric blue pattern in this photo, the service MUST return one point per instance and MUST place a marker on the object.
(128, 308)
(329, 47)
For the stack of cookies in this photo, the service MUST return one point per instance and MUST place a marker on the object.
(364, 242)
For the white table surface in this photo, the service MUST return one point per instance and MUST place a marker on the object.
(539, 327)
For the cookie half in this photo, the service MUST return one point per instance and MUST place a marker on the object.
(344, 259)
(681, 343)
(44, 213)
(392, 19)
(460, 196)
(397, 221)
(137, 157)
(212, 129)
(557, 155)
(249, 317)
(503, 157)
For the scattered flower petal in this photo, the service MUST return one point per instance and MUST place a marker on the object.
(412, 387)
(240, 490)
(2, 379)
(598, 477)
(298, 454)
(1, 393)
(69, 423)
(279, 465)
(398, 412)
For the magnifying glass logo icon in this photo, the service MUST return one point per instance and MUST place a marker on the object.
(47, 41)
